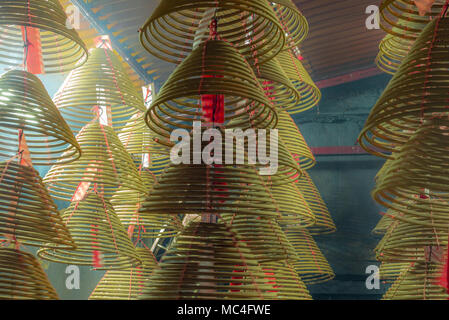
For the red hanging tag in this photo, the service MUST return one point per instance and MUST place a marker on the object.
(24, 159)
(96, 255)
(213, 108)
(213, 105)
(444, 279)
(232, 284)
(424, 6)
(33, 50)
(131, 230)
(24, 152)
(83, 186)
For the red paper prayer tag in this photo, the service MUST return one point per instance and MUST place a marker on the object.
(24, 152)
(213, 105)
(83, 186)
(424, 6)
(96, 259)
(33, 60)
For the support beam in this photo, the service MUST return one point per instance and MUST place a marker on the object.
(353, 76)
(337, 150)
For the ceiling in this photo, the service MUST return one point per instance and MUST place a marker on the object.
(338, 43)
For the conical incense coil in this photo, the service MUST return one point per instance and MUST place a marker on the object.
(403, 241)
(25, 105)
(420, 281)
(392, 51)
(286, 282)
(279, 167)
(126, 284)
(418, 91)
(100, 238)
(101, 87)
(413, 183)
(214, 68)
(264, 237)
(298, 75)
(287, 170)
(324, 223)
(22, 277)
(27, 212)
(390, 271)
(292, 208)
(382, 170)
(294, 141)
(104, 162)
(139, 141)
(311, 264)
(44, 25)
(292, 20)
(126, 204)
(189, 189)
(171, 31)
(402, 18)
(208, 261)
(384, 222)
(277, 86)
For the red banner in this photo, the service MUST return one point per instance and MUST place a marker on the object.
(33, 50)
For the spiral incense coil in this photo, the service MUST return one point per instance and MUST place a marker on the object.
(401, 18)
(264, 237)
(27, 212)
(390, 271)
(25, 105)
(139, 141)
(277, 86)
(126, 203)
(411, 97)
(287, 169)
(294, 23)
(311, 264)
(384, 222)
(294, 141)
(293, 210)
(324, 223)
(213, 68)
(190, 189)
(170, 32)
(413, 179)
(298, 75)
(128, 283)
(22, 277)
(403, 241)
(382, 170)
(61, 48)
(104, 162)
(418, 282)
(392, 51)
(208, 261)
(100, 86)
(286, 282)
(100, 238)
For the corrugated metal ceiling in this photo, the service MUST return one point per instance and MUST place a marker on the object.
(338, 42)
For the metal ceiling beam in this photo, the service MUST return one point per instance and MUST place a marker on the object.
(101, 27)
(353, 76)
